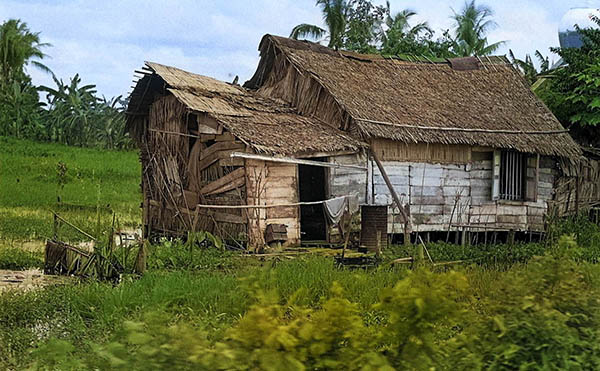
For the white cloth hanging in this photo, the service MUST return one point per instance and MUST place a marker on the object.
(335, 207)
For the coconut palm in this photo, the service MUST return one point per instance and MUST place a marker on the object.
(399, 30)
(528, 68)
(335, 14)
(470, 29)
(400, 23)
(19, 47)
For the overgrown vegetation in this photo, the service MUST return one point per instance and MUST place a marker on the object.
(308, 314)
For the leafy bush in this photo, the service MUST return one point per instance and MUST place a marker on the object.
(273, 335)
(202, 251)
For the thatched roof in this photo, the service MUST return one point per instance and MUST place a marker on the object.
(266, 125)
(469, 101)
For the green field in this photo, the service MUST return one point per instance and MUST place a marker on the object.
(96, 183)
(524, 306)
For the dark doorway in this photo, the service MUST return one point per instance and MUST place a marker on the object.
(312, 188)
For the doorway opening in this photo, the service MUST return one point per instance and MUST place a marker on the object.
(313, 226)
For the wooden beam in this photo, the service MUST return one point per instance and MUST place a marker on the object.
(388, 182)
(220, 146)
(217, 184)
(323, 154)
(291, 160)
(217, 151)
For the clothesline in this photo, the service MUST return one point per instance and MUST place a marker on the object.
(266, 206)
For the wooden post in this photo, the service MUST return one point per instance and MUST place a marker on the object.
(55, 228)
(577, 183)
(511, 237)
(378, 249)
(388, 183)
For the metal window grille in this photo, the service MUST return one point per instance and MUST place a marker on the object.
(512, 175)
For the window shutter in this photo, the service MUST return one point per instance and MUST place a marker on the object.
(496, 176)
(532, 177)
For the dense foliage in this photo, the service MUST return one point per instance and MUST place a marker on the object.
(73, 114)
(572, 91)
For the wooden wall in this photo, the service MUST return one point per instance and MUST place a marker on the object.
(450, 185)
(347, 181)
(584, 175)
(272, 183)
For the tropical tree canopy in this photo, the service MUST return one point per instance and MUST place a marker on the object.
(335, 13)
(19, 47)
(471, 26)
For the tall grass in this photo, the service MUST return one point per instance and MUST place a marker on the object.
(94, 180)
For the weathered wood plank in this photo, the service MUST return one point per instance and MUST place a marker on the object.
(481, 174)
(512, 219)
(225, 137)
(234, 175)
(512, 209)
(233, 184)
(282, 213)
(482, 165)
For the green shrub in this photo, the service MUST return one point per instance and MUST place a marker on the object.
(177, 255)
(544, 315)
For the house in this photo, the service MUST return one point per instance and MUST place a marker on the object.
(428, 148)
(465, 143)
(217, 157)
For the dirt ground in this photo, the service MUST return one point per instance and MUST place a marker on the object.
(27, 280)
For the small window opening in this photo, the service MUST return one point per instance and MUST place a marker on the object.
(512, 175)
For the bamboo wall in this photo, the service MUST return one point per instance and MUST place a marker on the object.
(579, 188)
(183, 166)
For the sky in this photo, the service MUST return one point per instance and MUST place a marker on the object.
(105, 41)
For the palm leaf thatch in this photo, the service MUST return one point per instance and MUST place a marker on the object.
(483, 102)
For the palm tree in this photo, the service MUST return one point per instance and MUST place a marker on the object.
(471, 27)
(335, 13)
(19, 47)
(399, 28)
(528, 68)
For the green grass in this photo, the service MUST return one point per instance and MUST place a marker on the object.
(95, 180)
(16, 258)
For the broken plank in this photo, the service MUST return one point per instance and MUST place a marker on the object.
(235, 183)
(215, 185)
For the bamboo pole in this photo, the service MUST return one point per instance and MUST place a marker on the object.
(74, 227)
(388, 182)
(466, 130)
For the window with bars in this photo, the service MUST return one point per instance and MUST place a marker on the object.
(513, 167)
